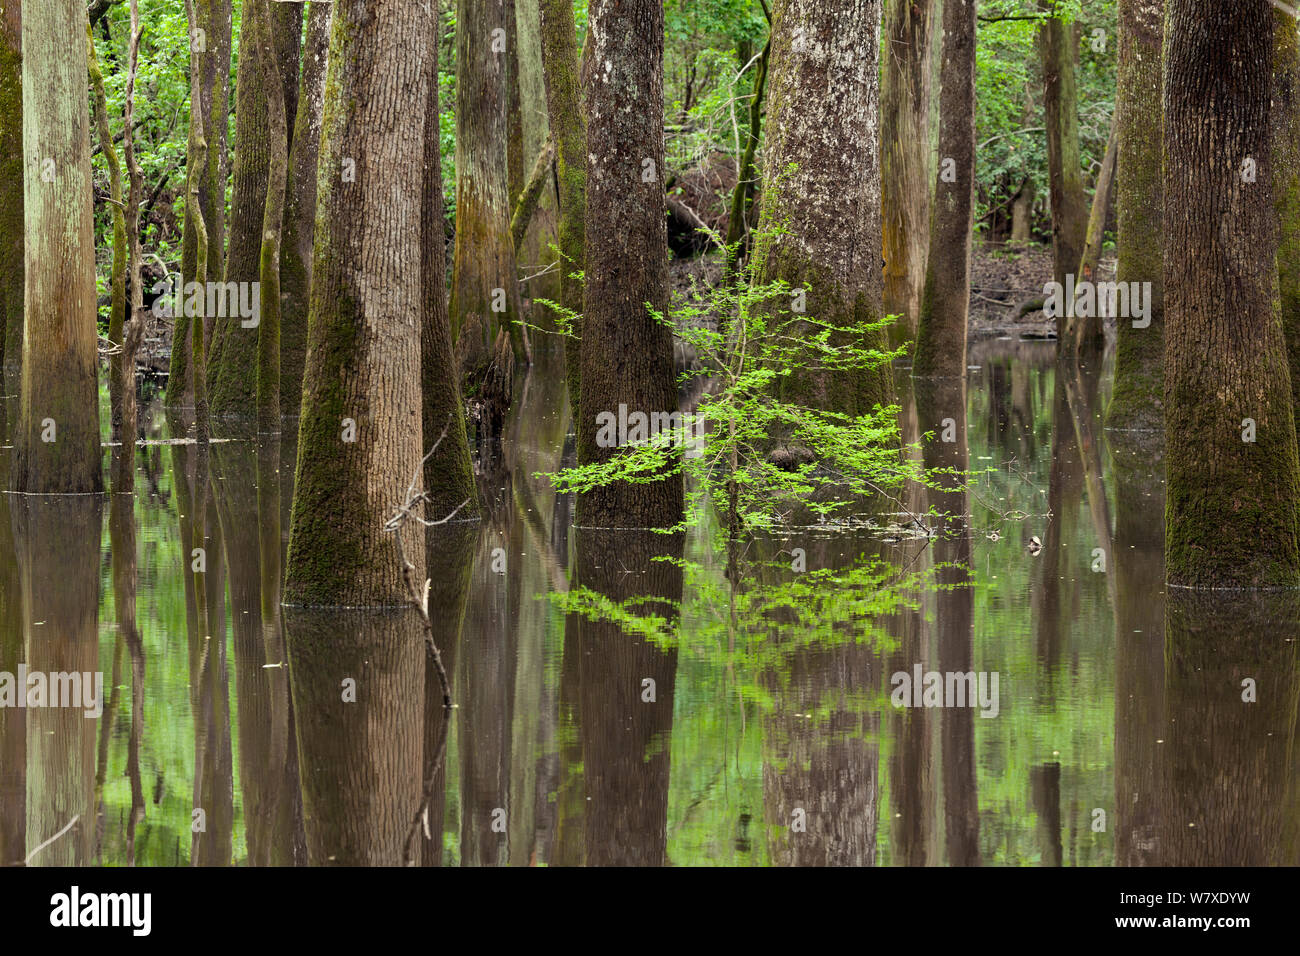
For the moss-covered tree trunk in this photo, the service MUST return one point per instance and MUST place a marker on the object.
(1286, 181)
(210, 51)
(484, 286)
(1064, 166)
(627, 356)
(233, 352)
(56, 442)
(300, 210)
(1137, 401)
(359, 444)
(945, 301)
(821, 181)
(11, 193)
(906, 166)
(564, 110)
(449, 473)
(1233, 478)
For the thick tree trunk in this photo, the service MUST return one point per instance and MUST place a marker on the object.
(360, 436)
(11, 193)
(945, 302)
(300, 210)
(210, 53)
(905, 160)
(1231, 518)
(627, 356)
(568, 127)
(448, 473)
(822, 117)
(485, 287)
(1065, 169)
(1137, 402)
(56, 442)
(233, 352)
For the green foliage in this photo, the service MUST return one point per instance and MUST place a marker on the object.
(748, 338)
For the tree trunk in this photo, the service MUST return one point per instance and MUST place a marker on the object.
(945, 302)
(627, 356)
(210, 59)
(300, 210)
(485, 287)
(742, 195)
(515, 161)
(905, 161)
(1137, 402)
(268, 329)
(1231, 517)
(117, 310)
(564, 110)
(1087, 335)
(11, 193)
(56, 443)
(448, 473)
(233, 352)
(1022, 209)
(359, 444)
(821, 117)
(1286, 182)
(1065, 172)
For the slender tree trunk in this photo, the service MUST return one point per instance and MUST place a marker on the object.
(514, 111)
(822, 181)
(1065, 168)
(233, 353)
(117, 312)
(133, 330)
(1285, 160)
(210, 51)
(11, 192)
(56, 442)
(906, 168)
(485, 288)
(568, 127)
(188, 338)
(945, 302)
(448, 473)
(300, 210)
(627, 356)
(1137, 402)
(360, 437)
(268, 329)
(1231, 463)
(738, 221)
(1087, 335)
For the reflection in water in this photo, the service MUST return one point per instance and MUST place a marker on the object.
(719, 708)
(1227, 779)
(57, 542)
(358, 696)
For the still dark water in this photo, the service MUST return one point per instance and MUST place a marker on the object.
(735, 712)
